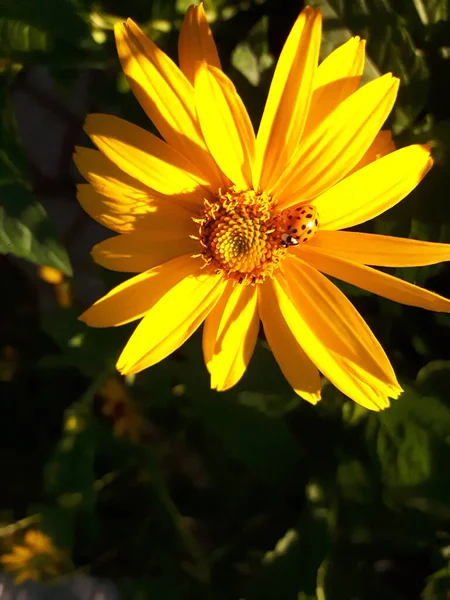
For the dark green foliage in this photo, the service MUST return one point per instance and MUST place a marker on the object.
(251, 493)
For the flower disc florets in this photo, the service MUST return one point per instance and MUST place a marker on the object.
(240, 234)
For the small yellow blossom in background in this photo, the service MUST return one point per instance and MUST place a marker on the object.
(117, 404)
(62, 287)
(230, 227)
(37, 559)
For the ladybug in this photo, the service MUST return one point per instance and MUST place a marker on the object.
(302, 223)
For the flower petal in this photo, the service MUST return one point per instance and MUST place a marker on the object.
(140, 215)
(166, 96)
(140, 251)
(333, 320)
(288, 101)
(108, 179)
(170, 322)
(337, 78)
(225, 124)
(367, 193)
(338, 143)
(379, 250)
(133, 298)
(229, 335)
(296, 366)
(196, 42)
(383, 144)
(146, 158)
(341, 371)
(375, 281)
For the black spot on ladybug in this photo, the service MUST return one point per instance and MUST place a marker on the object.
(303, 227)
(309, 216)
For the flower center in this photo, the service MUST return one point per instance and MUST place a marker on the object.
(243, 236)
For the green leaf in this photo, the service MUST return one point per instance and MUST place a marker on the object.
(17, 36)
(290, 570)
(434, 377)
(89, 350)
(61, 18)
(437, 586)
(392, 48)
(412, 442)
(26, 231)
(263, 444)
(432, 11)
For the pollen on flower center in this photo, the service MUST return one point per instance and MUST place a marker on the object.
(243, 235)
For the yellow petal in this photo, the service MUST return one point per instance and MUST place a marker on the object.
(225, 124)
(124, 194)
(383, 144)
(146, 158)
(138, 252)
(39, 542)
(229, 335)
(107, 178)
(196, 42)
(379, 250)
(375, 281)
(299, 370)
(337, 77)
(338, 143)
(367, 193)
(133, 298)
(166, 96)
(288, 101)
(19, 555)
(170, 322)
(125, 216)
(336, 332)
(335, 366)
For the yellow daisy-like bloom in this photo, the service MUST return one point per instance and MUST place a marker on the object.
(230, 228)
(37, 559)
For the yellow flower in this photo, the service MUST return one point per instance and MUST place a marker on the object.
(62, 288)
(230, 228)
(118, 405)
(37, 559)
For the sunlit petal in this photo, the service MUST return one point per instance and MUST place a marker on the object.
(133, 298)
(288, 101)
(374, 189)
(338, 143)
(196, 42)
(166, 96)
(332, 360)
(123, 215)
(379, 250)
(375, 281)
(225, 124)
(146, 158)
(140, 251)
(170, 322)
(230, 334)
(295, 365)
(337, 77)
(383, 144)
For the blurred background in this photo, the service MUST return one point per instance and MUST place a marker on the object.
(154, 486)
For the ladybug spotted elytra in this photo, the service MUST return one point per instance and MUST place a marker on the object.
(302, 223)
